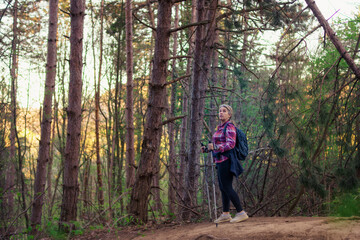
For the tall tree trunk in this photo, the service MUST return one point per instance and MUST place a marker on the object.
(119, 129)
(244, 52)
(202, 60)
(153, 130)
(172, 158)
(195, 119)
(130, 152)
(10, 175)
(357, 124)
(9, 166)
(97, 118)
(212, 124)
(50, 164)
(44, 146)
(184, 124)
(357, 121)
(85, 186)
(71, 165)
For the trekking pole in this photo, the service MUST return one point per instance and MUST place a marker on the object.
(207, 184)
(213, 181)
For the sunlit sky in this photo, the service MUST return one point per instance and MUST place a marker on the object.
(343, 8)
(346, 7)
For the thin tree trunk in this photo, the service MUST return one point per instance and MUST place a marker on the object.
(244, 52)
(60, 127)
(85, 191)
(44, 146)
(10, 175)
(97, 118)
(71, 165)
(153, 130)
(357, 124)
(130, 152)
(119, 130)
(172, 159)
(184, 124)
(212, 124)
(195, 120)
(357, 121)
(49, 170)
(202, 61)
(214, 81)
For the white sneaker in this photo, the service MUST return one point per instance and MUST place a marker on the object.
(241, 216)
(223, 218)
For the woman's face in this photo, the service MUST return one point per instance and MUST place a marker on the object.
(224, 114)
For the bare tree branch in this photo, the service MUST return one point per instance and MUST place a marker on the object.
(177, 79)
(172, 119)
(7, 6)
(147, 25)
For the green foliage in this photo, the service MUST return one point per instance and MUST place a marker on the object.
(52, 229)
(346, 204)
(275, 145)
(269, 108)
(347, 178)
(276, 21)
(311, 177)
(127, 220)
(96, 227)
(268, 120)
(228, 24)
(310, 181)
(303, 141)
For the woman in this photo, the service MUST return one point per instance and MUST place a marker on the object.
(222, 142)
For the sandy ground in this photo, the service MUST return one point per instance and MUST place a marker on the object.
(268, 228)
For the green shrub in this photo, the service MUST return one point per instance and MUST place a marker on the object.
(346, 205)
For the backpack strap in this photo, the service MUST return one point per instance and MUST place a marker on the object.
(224, 130)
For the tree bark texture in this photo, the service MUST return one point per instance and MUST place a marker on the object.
(130, 152)
(153, 130)
(202, 61)
(155, 188)
(72, 149)
(334, 39)
(44, 146)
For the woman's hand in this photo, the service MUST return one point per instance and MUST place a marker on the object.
(210, 146)
(203, 149)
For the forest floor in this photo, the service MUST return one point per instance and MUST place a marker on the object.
(314, 228)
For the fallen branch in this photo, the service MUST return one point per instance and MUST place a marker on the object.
(334, 39)
(92, 220)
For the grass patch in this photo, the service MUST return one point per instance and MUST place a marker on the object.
(346, 205)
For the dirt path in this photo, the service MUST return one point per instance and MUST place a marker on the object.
(255, 228)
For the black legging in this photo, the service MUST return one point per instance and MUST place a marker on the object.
(228, 194)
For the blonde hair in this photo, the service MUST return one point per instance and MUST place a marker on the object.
(228, 107)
